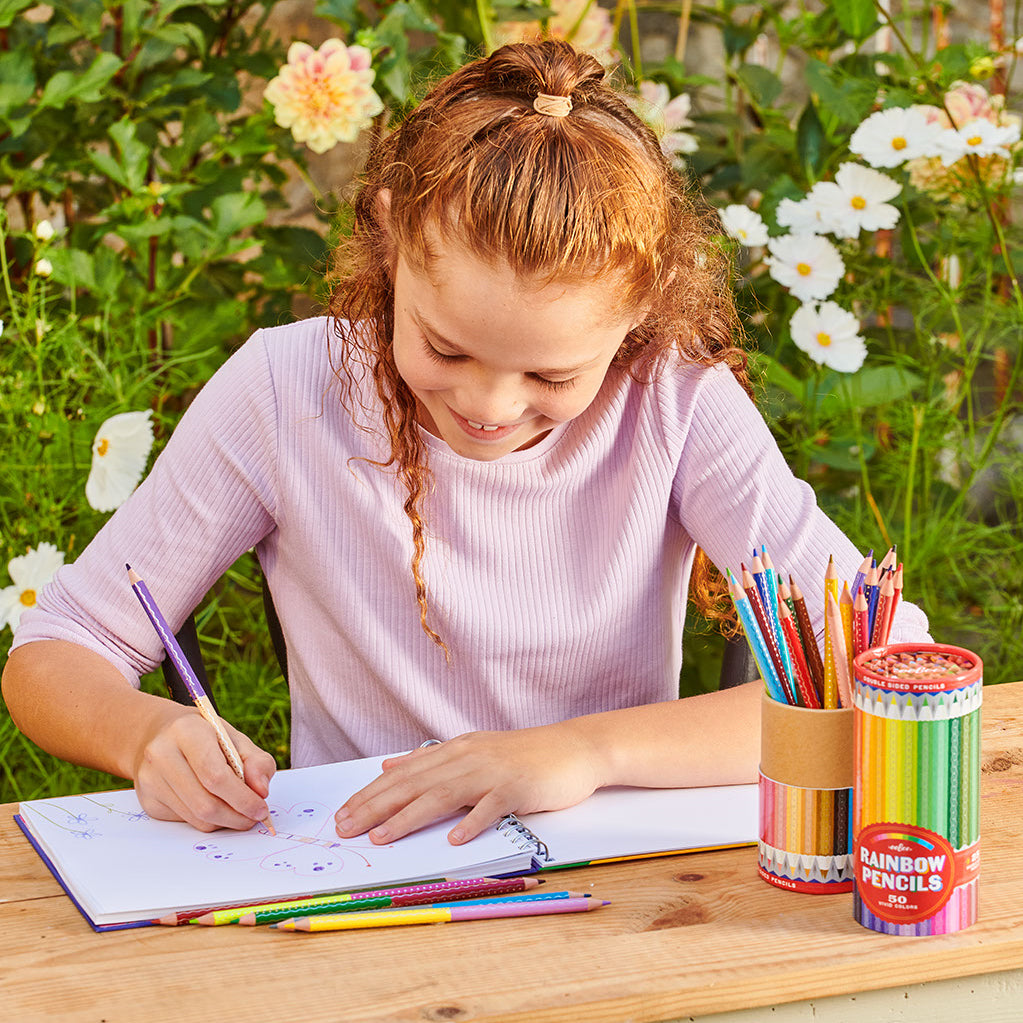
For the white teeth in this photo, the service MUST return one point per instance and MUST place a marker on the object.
(481, 426)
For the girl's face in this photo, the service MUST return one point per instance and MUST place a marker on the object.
(496, 361)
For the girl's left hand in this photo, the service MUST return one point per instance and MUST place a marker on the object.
(495, 773)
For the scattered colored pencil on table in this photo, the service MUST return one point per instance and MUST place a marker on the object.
(406, 895)
(437, 914)
(775, 621)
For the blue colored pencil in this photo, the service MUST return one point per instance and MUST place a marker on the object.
(755, 639)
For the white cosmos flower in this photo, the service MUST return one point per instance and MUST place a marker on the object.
(744, 224)
(119, 455)
(829, 335)
(43, 267)
(978, 138)
(856, 200)
(808, 265)
(44, 231)
(889, 138)
(802, 217)
(30, 573)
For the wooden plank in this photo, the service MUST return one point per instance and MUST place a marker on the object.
(684, 936)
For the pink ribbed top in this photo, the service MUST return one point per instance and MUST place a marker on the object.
(557, 575)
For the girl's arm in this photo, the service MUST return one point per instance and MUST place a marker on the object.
(712, 739)
(76, 705)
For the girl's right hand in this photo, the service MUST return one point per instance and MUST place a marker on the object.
(181, 773)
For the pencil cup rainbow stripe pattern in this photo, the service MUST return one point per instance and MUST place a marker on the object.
(805, 840)
(916, 805)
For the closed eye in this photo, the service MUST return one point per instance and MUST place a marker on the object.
(554, 385)
(437, 356)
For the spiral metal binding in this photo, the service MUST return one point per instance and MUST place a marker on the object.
(522, 837)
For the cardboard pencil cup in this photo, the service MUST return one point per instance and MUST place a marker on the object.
(806, 778)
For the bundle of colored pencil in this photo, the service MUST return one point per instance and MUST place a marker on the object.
(774, 617)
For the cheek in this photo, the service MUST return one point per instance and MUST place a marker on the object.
(565, 405)
(417, 370)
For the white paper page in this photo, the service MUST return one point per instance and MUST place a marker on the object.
(622, 821)
(122, 865)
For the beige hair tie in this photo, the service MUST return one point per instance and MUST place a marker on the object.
(552, 106)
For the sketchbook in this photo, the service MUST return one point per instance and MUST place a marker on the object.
(121, 868)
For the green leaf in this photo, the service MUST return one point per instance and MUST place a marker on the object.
(762, 85)
(236, 211)
(17, 80)
(74, 268)
(811, 141)
(775, 373)
(858, 18)
(87, 86)
(134, 155)
(883, 385)
(9, 10)
(344, 11)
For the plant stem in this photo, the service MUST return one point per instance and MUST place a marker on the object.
(914, 448)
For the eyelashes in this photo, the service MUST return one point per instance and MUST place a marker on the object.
(550, 385)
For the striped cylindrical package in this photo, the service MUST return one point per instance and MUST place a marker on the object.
(916, 804)
(805, 798)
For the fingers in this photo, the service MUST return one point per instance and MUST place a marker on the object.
(427, 785)
(184, 775)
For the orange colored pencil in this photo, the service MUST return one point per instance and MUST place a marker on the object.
(845, 606)
(835, 653)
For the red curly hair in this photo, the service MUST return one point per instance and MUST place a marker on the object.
(576, 198)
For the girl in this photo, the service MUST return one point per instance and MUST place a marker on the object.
(477, 489)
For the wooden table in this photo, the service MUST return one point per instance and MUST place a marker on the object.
(684, 936)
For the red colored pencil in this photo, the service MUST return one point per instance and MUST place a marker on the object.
(896, 597)
(883, 614)
(807, 693)
(813, 654)
(750, 588)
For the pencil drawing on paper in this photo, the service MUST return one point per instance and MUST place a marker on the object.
(299, 847)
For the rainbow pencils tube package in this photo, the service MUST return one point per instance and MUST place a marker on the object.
(916, 812)
(806, 776)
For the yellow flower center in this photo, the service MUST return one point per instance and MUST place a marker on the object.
(823, 339)
(804, 269)
(858, 202)
(103, 447)
(899, 142)
(974, 140)
(28, 597)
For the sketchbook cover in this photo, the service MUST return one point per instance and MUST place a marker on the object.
(122, 868)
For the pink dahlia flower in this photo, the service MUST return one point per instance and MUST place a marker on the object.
(325, 96)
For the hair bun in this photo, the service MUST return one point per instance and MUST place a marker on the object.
(547, 67)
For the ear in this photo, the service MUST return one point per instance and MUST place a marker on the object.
(382, 213)
(382, 209)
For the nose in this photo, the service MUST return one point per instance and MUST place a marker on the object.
(493, 398)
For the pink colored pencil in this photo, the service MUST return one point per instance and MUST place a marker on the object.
(861, 623)
(437, 915)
